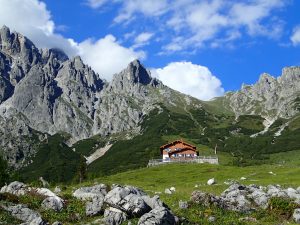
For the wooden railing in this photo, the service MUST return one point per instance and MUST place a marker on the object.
(199, 159)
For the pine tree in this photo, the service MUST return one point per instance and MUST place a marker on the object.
(82, 169)
(4, 175)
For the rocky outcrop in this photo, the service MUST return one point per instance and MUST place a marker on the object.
(94, 197)
(270, 97)
(244, 198)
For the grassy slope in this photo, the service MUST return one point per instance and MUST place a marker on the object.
(184, 177)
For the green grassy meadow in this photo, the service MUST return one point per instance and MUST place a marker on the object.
(187, 178)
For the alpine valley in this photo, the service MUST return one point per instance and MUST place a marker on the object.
(54, 110)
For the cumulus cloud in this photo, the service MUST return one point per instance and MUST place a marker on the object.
(32, 19)
(191, 79)
(295, 38)
(106, 56)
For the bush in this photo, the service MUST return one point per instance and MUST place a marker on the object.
(282, 207)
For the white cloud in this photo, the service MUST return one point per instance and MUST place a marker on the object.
(96, 3)
(142, 39)
(295, 38)
(207, 21)
(148, 8)
(32, 19)
(191, 79)
(199, 23)
(106, 56)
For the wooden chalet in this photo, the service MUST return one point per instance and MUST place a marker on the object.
(178, 150)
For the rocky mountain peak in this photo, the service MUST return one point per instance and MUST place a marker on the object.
(290, 75)
(136, 73)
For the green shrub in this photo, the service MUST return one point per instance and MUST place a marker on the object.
(282, 207)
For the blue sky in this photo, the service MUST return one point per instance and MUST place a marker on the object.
(223, 43)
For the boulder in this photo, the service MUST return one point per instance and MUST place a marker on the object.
(94, 207)
(211, 181)
(43, 191)
(15, 188)
(54, 203)
(276, 191)
(153, 202)
(128, 199)
(113, 216)
(88, 193)
(24, 214)
(235, 198)
(260, 198)
(157, 216)
(296, 215)
(292, 193)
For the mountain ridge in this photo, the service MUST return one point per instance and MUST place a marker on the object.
(43, 94)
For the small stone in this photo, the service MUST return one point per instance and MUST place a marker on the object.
(57, 223)
(183, 204)
(247, 219)
(243, 178)
(211, 219)
(211, 181)
(173, 189)
(57, 190)
(168, 191)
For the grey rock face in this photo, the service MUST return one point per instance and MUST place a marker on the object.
(128, 199)
(153, 202)
(114, 216)
(54, 203)
(50, 93)
(157, 216)
(269, 97)
(88, 193)
(94, 207)
(123, 103)
(94, 196)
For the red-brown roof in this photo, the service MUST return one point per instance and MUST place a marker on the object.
(176, 141)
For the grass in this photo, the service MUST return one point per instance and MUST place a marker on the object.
(187, 178)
